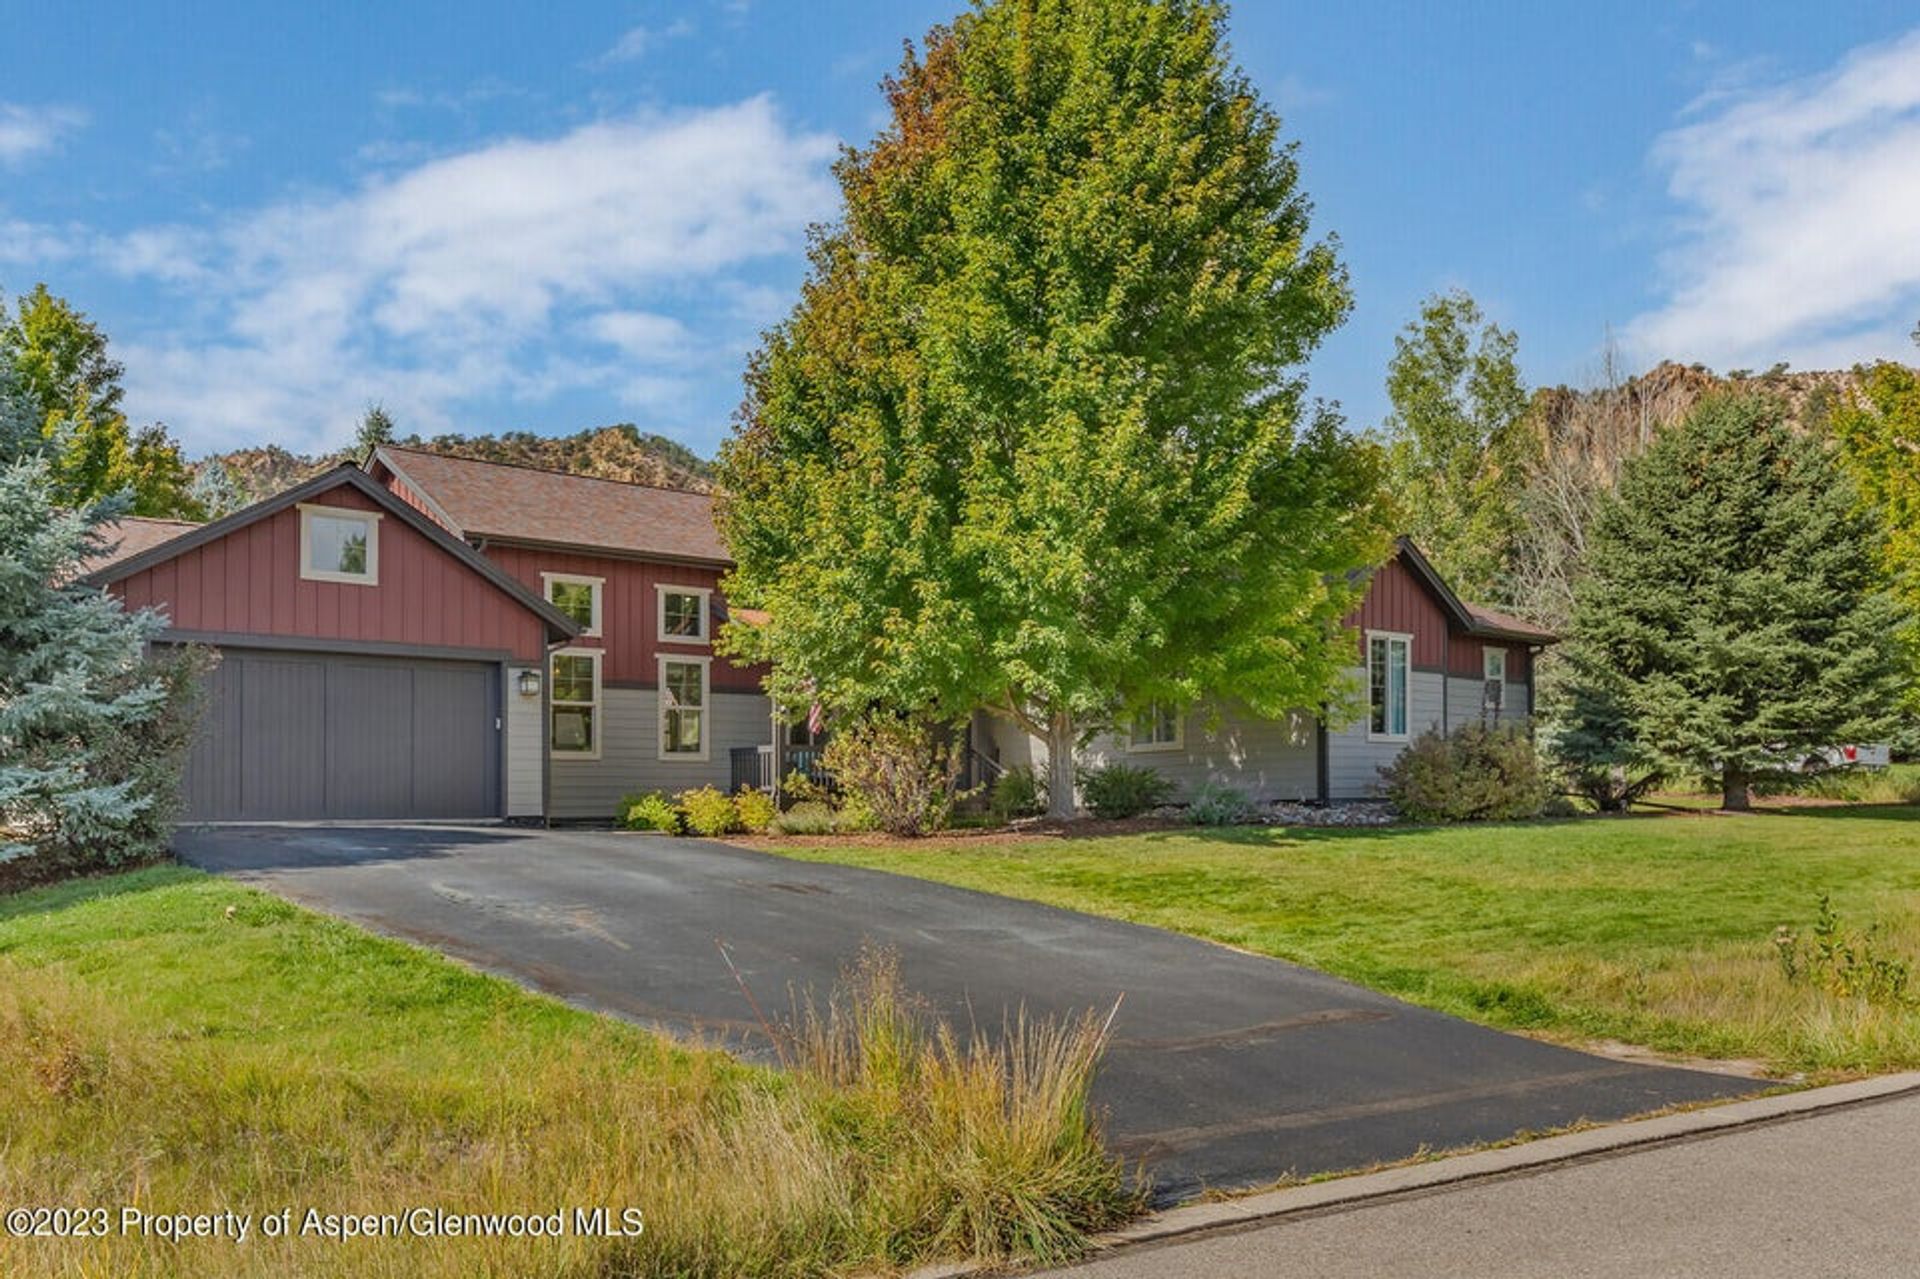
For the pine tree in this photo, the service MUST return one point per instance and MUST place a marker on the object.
(92, 731)
(376, 428)
(1733, 619)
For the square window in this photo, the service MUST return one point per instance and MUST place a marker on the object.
(1157, 728)
(577, 597)
(683, 615)
(338, 545)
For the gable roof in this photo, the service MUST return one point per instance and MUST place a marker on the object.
(1471, 618)
(514, 503)
(559, 625)
(129, 536)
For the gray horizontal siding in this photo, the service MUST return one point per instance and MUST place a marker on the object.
(1463, 702)
(630, 753)
(1265, 759)
(1354, 763)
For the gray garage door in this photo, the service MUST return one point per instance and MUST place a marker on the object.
(290, 736)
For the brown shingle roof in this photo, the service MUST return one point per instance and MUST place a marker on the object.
(131, 535)
(1507, 625)
(523, 503)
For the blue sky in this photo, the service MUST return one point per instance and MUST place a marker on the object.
(494, 216)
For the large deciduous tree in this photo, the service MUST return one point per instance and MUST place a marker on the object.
(1732, 620)
(1035, 437)
(1457, 444)
(1878, 429)
(60, 362)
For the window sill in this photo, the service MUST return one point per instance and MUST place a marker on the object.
(344, 579)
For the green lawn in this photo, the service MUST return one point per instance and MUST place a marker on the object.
(1656, 931)
(179, 1043)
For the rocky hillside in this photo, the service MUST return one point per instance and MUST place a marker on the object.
(1667, 392)
(621, 452)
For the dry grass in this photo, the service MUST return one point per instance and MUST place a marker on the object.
(159, 1050)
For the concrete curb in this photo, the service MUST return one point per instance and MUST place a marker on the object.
(1526, 1156)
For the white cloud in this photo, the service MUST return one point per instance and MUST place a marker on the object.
(1803, 200)
(29, 131)
(503, 273)
(635, 42)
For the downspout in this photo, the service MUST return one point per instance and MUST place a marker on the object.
(546, 732)
(1446, 681)
(1322, 753)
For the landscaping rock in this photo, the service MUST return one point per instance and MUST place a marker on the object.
(1358, 813)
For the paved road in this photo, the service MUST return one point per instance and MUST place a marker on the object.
(1229, 1069)
(1829, 1195)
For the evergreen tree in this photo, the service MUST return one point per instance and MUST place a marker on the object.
(1732, 621)
(1456, 442)
(376, 428)
(1036, 436)
(92, 732)
(216, 490)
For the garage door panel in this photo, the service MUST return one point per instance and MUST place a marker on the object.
(370, 741)
(283, 705)
(297, 736)
(453, 721)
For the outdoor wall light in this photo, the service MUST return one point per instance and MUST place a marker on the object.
(529, 683)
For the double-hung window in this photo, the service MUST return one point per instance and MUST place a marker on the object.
(1493, 666)
(339, 545)
(576, 703)
(683, 708)
(684, 614)
(1389, 665)
(1156, 728)
(577, 597)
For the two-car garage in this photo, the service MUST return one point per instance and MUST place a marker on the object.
(290, 735)
(371, 665)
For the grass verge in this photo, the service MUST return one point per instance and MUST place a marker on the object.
(180, 1044)
(1651, 931)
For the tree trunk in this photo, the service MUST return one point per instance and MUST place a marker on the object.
(1060, 765)
(1734, 797)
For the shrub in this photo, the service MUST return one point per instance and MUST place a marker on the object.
(855, 814)
(650, 810)
(1121, 790)
(756, 809)
(808, 817)
(899, 769)
(710, 811)
(1475, 773)
(1217, 804)
(1018, 792)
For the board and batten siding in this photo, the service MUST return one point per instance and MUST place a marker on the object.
(248, 583)
(629, 611)
(1264, 759)
(630, 758)
(1396, 601)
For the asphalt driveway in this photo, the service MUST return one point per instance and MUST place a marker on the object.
(1228, 1069)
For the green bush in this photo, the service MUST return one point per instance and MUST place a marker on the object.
(1217, 804)
(855, 814)
(1121, 790)
(710, 811)
(1475, 774)
(1018, 792)
(899, 769)
(650, 810)
(756, 810)
(808, 817)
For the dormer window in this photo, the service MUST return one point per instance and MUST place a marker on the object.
(338, 544)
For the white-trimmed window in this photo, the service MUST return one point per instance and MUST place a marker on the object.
(684, 614)
(578, 597)
(575, 699)
(1157, 728)
(338, 544)
(1493, 668)
(683, 707)
(1389, 669)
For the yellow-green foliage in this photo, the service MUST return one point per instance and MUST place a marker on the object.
(709, 811)
(756, 810)
(186, 1045)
